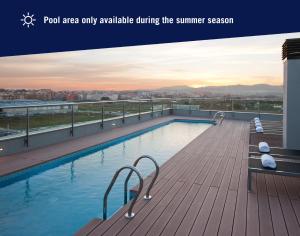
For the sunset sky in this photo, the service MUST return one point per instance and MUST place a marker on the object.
(248, 60)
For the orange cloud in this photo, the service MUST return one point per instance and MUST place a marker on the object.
(247, 60)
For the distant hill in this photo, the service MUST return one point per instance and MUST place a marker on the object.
(182, 88)
(232, 90)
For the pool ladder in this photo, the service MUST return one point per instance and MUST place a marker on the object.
(132, 169)
(221, 116)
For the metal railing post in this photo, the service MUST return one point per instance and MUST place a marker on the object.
(102, 116)
(139, 110)
(27, 128)
(72, 120)
(162, 109)
(258, 108)
(123, 113)
(232, 105)
(152, 108)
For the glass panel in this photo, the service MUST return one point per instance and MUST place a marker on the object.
(166, 104)
(246, 105)
(271, 106)
(219, 104)
(157, 105)
(182, 104)
(113, 109)
(50, 117)
(146, 106)
(131, 107)
(204, 104)
(12, 122)
(85, 113)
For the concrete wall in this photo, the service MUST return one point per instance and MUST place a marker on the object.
(291, 104)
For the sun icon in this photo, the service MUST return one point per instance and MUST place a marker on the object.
(28, 20)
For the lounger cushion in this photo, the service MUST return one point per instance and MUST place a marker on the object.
(268, 161)
(259, 129)
(264, 147)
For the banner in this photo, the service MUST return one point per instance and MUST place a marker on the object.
(30, 27)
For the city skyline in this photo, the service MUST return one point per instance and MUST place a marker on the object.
(221, 62)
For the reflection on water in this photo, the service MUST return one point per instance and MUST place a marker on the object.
(124, 149)
(102, 157)
(72, 169)
(27, 191)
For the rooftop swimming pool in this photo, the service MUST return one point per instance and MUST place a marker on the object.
(60, 197)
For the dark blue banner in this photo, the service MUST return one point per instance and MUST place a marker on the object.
(30, 27)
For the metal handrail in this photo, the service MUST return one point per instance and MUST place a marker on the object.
(129, 213)
(221, 114)
(57, 103)
(147, 195)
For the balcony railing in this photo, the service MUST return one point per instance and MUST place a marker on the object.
(18, 121)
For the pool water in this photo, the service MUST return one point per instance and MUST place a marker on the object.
(60, 197)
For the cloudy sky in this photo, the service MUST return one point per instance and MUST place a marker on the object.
(247, 60)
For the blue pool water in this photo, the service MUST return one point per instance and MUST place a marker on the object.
(60, 197)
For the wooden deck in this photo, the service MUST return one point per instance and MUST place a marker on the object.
(202, 190)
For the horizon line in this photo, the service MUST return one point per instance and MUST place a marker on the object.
(165, 87)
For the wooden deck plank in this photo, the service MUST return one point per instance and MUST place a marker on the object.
(226, 224)
(158, 221)
(168, 191)
(195, 207)
(203, 216)
(151, 218)
(296, 206)
(217, 211)
(89, 227)
(164, 219)
(240, 216)
(291, 221)
(292, 187)
(180, 213)
(252, 210)
(266, 224)
(206, 179)
(279, 226)
(271, 188)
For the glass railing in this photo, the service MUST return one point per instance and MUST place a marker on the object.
(238, 105)
(27, 120)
